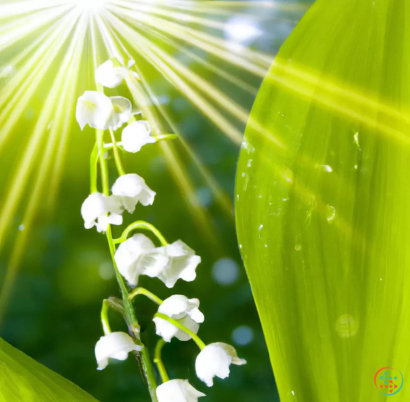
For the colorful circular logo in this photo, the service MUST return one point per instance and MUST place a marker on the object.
(388, 381)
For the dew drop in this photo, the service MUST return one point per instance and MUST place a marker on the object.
(330, 213)
(260, 227)
(346, 326)
(356, 140)
(298, 247)
(250, 162)
(326, 168)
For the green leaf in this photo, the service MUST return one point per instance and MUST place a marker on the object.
(322, 203)
(22, 379)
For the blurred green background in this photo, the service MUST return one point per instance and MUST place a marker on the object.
(65, 272)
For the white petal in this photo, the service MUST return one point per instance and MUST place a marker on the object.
(214, 361)
(128, 185)
(129, 255)
(165, 329)
(108, 75)
(146, 196)
(189, 323)
(175, 306)
(122, 110)
(154, 262)
(132, 189)
(93, 207)
(94, 109)
(136, 135)
(115, 345)
(177, 391)
(182, 265)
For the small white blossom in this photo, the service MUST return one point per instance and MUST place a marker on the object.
(214, 361)
(135, 135)
(182, 309)
(177, 391)
(182, 264)
(111, 76)
(94, 109)
(122, 111)
(138, 256)
(131, 189)
(108, 75)
(100, 211)
(115, 345)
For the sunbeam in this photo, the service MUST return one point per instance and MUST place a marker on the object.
(45, 48)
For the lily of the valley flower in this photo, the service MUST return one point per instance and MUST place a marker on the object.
(111, 76)
(135, 135)
(214, 361)
(131, 189)
(138, 256)
(115, 345)
(178, 391)
(100, 211)
(182, 309)
(122, 111)
(101, 112)
(182, 264)
(94, 109)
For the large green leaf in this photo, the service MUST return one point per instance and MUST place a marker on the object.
(22, 379)
(323, 197)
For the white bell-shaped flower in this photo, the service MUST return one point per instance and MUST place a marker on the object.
(94, 109)
(100, 211)
(214, 361)
(182, 264)
(138, 256)
(131, 189)
(109, 75)
(136, 135)
(122, 111)
(182, 309)
(177, 391)
(115, 345)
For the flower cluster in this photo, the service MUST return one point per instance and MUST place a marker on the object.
(137, 255)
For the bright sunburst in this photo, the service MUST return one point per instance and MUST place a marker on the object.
(49, 50)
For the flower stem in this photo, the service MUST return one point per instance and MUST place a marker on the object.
(93, 168)
(194, 336)
(145, 292)
(141, 225)
(117, 157)
(158, 360)
(131, 318)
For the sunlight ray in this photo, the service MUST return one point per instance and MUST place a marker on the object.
(34, 146)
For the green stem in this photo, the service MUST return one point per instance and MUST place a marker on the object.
(194, 336)
(131, 318)
(158, 360)
(93, 168)
(117, 157)
(145, 292)
(141, 225)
